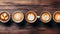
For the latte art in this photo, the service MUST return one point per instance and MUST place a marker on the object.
(45, 17)
(56, 16)
(31, 16)
(4, 16)
(17, 17)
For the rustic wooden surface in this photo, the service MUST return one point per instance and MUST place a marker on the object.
(25, 6)
(26, 2)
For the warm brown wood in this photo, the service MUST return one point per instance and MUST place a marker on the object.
(26, 2)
